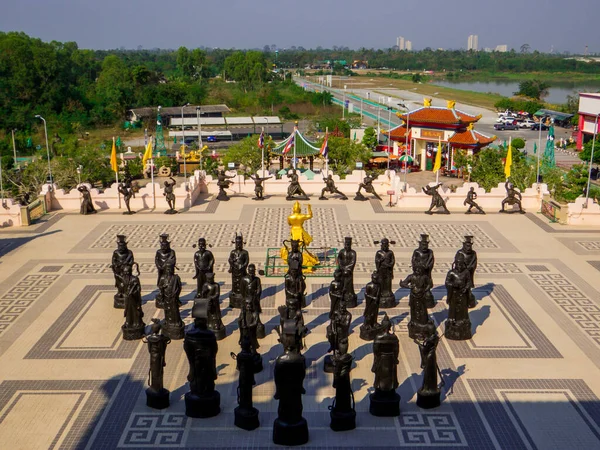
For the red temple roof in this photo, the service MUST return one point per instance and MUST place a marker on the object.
(470, 139)
(439, 115)
(398, 133)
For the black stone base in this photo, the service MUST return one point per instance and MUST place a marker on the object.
(342, 421)
(360, 198)
(173, 332)
(299, 197)
(418, 331)
(429, 300)
(368, 334)
(223, 197)
(260, 331)
(128, 213)
(258, 364)
(458, 331)
(384, 404)
(157, 400)
(235, 300)
(246, 419)
(387, 301)
(351, 301)
(119, 302)
(428, 400)
(220, 333)
(202, 407)
(322, 197)
(438, 211)
(257, 198)
(512, 211)
(171, 211)
(133, 334)
(328, 364)
(290, 433)
(475, 212)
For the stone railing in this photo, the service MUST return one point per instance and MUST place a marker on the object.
(10, 213)
(578, 213)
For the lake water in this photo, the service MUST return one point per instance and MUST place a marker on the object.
(556, 94)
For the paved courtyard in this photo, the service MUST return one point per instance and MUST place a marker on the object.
(529, 378)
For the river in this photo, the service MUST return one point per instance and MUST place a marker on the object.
(557, 93)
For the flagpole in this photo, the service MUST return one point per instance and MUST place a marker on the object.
(295, 129)
(327, 157)
(262, 155)
(117, 178)
(439, 149)
(152, 175)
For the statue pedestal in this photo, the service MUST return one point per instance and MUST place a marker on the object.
(133, 334)
(342, 421)
(119, 302)
(368, 334)
(157, 400)
(220, 333)
(458, 331)
(359, 197)
(285, 433)
(428, 400)
(246, 419)
(418, 331)
(235, 300)
(328, 364)
(223, 196)
(384, 404)
(202, 407)
(128, 213)
(173, 332)
(388, 301)
(171, 211)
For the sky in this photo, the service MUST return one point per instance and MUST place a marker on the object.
(109, 24)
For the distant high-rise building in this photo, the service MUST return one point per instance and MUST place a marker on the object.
(473, 42)
(400, 43)
(408, 45)
(502, 48)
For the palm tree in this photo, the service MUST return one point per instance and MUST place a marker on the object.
(525, 48)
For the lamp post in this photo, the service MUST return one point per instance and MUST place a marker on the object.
(262, 156)
(587, 190)
(402, 105)
(389, 137)
(344, 104)
(198, 113)
(79, 168)
(14, 149)
(47, 148)
(183, 145)
(537, 179)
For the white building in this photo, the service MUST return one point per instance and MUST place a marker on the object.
(502, 48)
(473, 42)
(408, 45)
(400, 43)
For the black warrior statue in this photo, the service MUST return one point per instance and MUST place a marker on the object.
(156, 395)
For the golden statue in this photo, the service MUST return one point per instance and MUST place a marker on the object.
(427, 102)
(451, 104)
(297, 232)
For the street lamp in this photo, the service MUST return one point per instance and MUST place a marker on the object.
(402, 105)
(14, 149)
(198, 113)
(183, 145)
(344, 104)
(79, 168)
(47, 149)
(587, 190)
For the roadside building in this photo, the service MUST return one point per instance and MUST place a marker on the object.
(431, 126)
(589, 111)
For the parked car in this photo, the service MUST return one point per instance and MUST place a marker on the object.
(506, 126)
(536, 126)
(211, 139)
(527, 123)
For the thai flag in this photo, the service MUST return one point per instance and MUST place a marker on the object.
(324, 148)
(261, 140)
(290, 144)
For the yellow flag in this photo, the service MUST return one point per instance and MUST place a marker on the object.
(147, 153)
(438, 157)
(508, 160)
(113, 157)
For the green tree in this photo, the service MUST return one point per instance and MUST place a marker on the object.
(518, 143)
(488, 170)
(245, 153)
(369, 139)
(344, 153)
(586, 153)
(535, 89)
(114, 88)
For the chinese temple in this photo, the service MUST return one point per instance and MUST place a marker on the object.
(431, 126)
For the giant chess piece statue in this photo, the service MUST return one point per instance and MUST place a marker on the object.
(337, 334)
(470, 258)
(336, 292)
(121, 257)
(126, 190)
(200, 346)
(342, 412)
(331, 188)
(436, 200)
(370, 327)
(165, 257)
(246, 415)
(204, 262)
(367, 185)
(384, 264)
(247, 323)
(211, 293)
(290, 428)
(429, 395)
(258, 187)
(133, 328)
(458, 285)
(295, 254)
(170, 195)
(238, 266)
(513, 197)
(385, 401)
(419, 284)
(170, 288)
(295, 192)
(346, 262)
(223, 183)
(252, 291)
(423, 256)
(157, 396)
(470, 200)
(87, 205)
(295, 286)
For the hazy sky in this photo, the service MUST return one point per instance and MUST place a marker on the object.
(108, 24)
